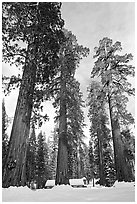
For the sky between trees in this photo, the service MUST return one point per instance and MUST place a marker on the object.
(90, 22)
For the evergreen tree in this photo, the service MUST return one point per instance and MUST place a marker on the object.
(69, 58)
(53, 148)
(31, 156)
(4, 134)
(83, 160)
(96, 112)
(46, 157)
(75, 124)
(100, 134)
(114, 71)
(91, 172)
(42, 171)
(129, 151)
(36, 26)
(109, 167)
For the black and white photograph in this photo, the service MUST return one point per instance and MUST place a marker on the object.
(68, 101)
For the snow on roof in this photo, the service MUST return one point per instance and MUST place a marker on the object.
(50, 183)
(76, 181)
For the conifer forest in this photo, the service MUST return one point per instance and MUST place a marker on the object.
(48, 55)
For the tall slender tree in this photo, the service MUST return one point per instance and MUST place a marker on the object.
(75, 124)
(42, 154)
(83, 162)
(91, 173)
(53, 149)
(109, 167)
(114, 71)
(36, 26)
(31, 156)
(100, 134)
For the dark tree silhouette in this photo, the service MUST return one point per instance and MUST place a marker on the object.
(36, 26)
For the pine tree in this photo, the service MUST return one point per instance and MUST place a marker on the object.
(38, 27)
(31, 156)
(100, 134)
(83, 162)
(53, 148)
(96, 112)
(46, 157)
(114, 71)
(91, 172)
(109, 167)
(42, 171)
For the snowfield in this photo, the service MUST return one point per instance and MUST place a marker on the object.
(120, 192)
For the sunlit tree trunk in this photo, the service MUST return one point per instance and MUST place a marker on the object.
(15, 166)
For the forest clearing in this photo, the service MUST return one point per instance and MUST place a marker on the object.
(88, 82)
(122, 192)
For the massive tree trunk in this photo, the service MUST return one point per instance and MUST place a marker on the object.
(62, 158)
(14, 169)
(122, 172)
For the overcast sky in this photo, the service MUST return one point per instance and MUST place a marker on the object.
(90, 22)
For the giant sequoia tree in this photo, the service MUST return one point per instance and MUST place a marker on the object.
(31, 38)
(69, 58)
(114, 71)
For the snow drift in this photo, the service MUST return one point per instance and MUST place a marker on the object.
(120, 192)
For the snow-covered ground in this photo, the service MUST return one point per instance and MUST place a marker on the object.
(120, 192)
